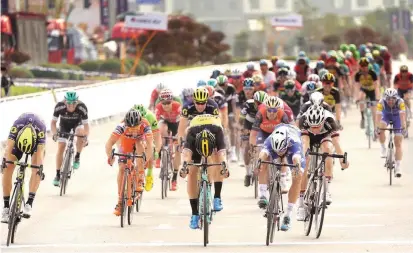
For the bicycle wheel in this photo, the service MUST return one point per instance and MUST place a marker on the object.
(270, 215)
(64, 173)
(205, 212)
(132, 186)
(310, 207)
(164, 173)
(255, 182)
(123, 194)
(320, 205)
(139, 200)
(14, 213)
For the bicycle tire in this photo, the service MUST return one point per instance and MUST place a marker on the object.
(322, 192)
(309, 209)
(255, 182)
(390, 166)
(205, 212)
(124, 198)
(270, 217)
(164, 171)
(63, 173)
(130, 208)
(13, 215)
(139, 200)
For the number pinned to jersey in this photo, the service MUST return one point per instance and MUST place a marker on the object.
(40, 134)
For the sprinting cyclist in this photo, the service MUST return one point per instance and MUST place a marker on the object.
(403, 82)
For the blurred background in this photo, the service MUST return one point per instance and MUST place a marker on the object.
(85, 41)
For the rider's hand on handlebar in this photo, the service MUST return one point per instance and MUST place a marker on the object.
(111, 160)
(54, 137)
(344, 165)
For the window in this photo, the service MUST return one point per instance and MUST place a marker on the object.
(389, 3)
(362, 3)
(338, 4)
(280, 4)
(254, 4)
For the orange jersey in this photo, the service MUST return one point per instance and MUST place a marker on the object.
(264, 124)
(171, 116)
(129, 135)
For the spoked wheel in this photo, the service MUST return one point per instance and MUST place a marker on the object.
(14, 216)
(205, 211)
(139, 200)
(310, 208)
(130, 207)
(255, 182)
(320, 205)
(64, 174)
(391, 171)
(164, 174)
(271, 211)
(124, 199)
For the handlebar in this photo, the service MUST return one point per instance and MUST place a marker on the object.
(26, 165)
(278, 165)
(223, 164)
(129, 156)
(391, 129)
(65, 134)
(325, 155)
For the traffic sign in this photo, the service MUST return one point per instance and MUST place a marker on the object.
(147, 21)
(293, 21)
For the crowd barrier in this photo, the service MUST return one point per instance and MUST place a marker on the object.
(109, 98)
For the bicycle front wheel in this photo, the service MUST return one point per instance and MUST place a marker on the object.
(132, 185)
(310, 207)
(320, 205)
(139, 200)
(205, 212)
(124, 197)
(390, 166)
(64, 174)
(14, 213)
(272, 210)
(164, 173)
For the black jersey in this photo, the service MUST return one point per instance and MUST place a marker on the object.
(332, 98)
(248, 112)
(189, 111)
(220, 100)
(306, 105)
(230, 96)
(70, 120)
(294, 101)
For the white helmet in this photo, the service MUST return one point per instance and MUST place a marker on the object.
(273, 102)
(279, 139)
(160, 87)
(315, 115)
(391, 93)
(291, 75)
(317, 98)
(250, 65)
(314, 78)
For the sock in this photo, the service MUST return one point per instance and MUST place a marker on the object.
(77, 155)
(175, 176)
(362, 114)
(6, 200)
(263, 190)
(194, 206)
(218, 188)
(31, 198)
(382, 145)
(290, 208)
(328, 183)
(301, 199)
(398, 164)
(57, 173)
(149, 172)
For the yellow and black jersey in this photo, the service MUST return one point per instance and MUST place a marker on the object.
(332, 98)
(366, 80)
(189, 110)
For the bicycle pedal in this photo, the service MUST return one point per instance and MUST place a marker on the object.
(26, 216)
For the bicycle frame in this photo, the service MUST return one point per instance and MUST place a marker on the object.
(390, 159)
(166, 160)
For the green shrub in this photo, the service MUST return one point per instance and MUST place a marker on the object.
(22, 90)
(49, 74)
(111, 66)
(19, 72)
(91, 65)
(155, 70)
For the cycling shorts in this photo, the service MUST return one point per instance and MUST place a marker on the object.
(67, 130)
(371, 94)
(262, 136)
(172, 126)
(317, 139)
(387, 117)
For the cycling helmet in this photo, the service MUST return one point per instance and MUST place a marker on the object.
(349, 55)
(200, 95)
(328, 77)
(250, 66)
(291, 74)
(212, 82)
(322, 72)
(272, 102)
(263, 62)
(274, 58)
(343, 48)
(390, 93)
(205, 143)
(404, 68)
(289, 85)
(160, 87)
(352, 47)
(211, 90)
(383, 48)
(215, 73)
(201, 83)
(320, 64)
(376, 53)
(331, 54)
(282, 72)
(236, 72)
(166, 95)
(364, 62)
(133, 118)
(227, 72)
(310, 86)
(315, 115)
(313, 78)
(281, 63)
(248, 83)
(26, 139)
(186, 92)
(260, 96)
(301, 54)
(362, 47)
(141, 109)
(71, 96)
(317, 98)
(367, 50)
(257, 78)
(222, 80)
(279, 140)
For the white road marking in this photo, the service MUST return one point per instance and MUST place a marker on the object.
(218, 244)
(353, 215)
(353, 226)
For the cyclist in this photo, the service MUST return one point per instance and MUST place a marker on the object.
(168, 114)
(302, 69)
(247, 118)
(247, 93)
(366, 79)
(319, 65)
(205, 138)
(134, 131)
(236, 80)
(73, 115)
(269, 76)
(250, 70)
(274, 61)
(354, 51)
(334, 68)
(403, 81)
(153, 122)
(218, 96)
(331, 95)
(216, 73)
(308, 88)
(278, 86)
(284, 146)
(174, 98)
(391, 108)
(387, 58)
(27, 136)
(259, 82)
(319, 127)
(291, 96)
(186, 95)
(155, 94)
(316, 98)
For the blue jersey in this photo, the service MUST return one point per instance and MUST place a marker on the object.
(294, 146)
(376, 69)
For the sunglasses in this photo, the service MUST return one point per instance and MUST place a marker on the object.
(272, 110)
(248, 88)
(70, 102)
(200, 103)
(167, 103)
(328, 83)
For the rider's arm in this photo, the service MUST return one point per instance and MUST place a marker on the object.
(223, 114)
(222, 151)
(255, 129)
(402, 108)
(109, 144)
(56, 114)
(183, 123)
(84, 118)
(40, 154)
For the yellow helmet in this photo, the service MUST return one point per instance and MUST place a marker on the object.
(257, 78)
(201, 95)
(26, 139)
(273, 102)
(205, 142)
(328, 77)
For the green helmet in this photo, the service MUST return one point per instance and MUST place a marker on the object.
(212, 82)
(140, 108)
(71, 96)
(260, 96)
(343, 47)
(352, 47)
(222, 79)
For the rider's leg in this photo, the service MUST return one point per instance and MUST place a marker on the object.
(80, 143)
(361, 98)
(327, 146)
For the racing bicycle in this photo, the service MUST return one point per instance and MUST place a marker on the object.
(17, 199)
(390, 159)
(67, 166)
(275, 203)
(205, 196)
(315, 194)
(253, 164)
(130, 197)
(368, 122)
(167, 156)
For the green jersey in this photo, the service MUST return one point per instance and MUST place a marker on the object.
(176, 98)
(151, 118)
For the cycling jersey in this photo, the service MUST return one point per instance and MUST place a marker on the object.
(189, 111)
(366, 80)
(302, 72)
(129, 135)
(262, 123)
(404, 83)
(269, 78)
(328, 129)
(230, 95)
(241, 99)
(248, 112)
(391, 113)
(151, 118)
(387, 62)
(171, 116)
(332, 98)
(293, 101)
(220, 100)
(294, 146)
(199, 123)
(379, 60)
(334, 69)
(70, 120)
(285, 108)
(22, 121)
(175, 98)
